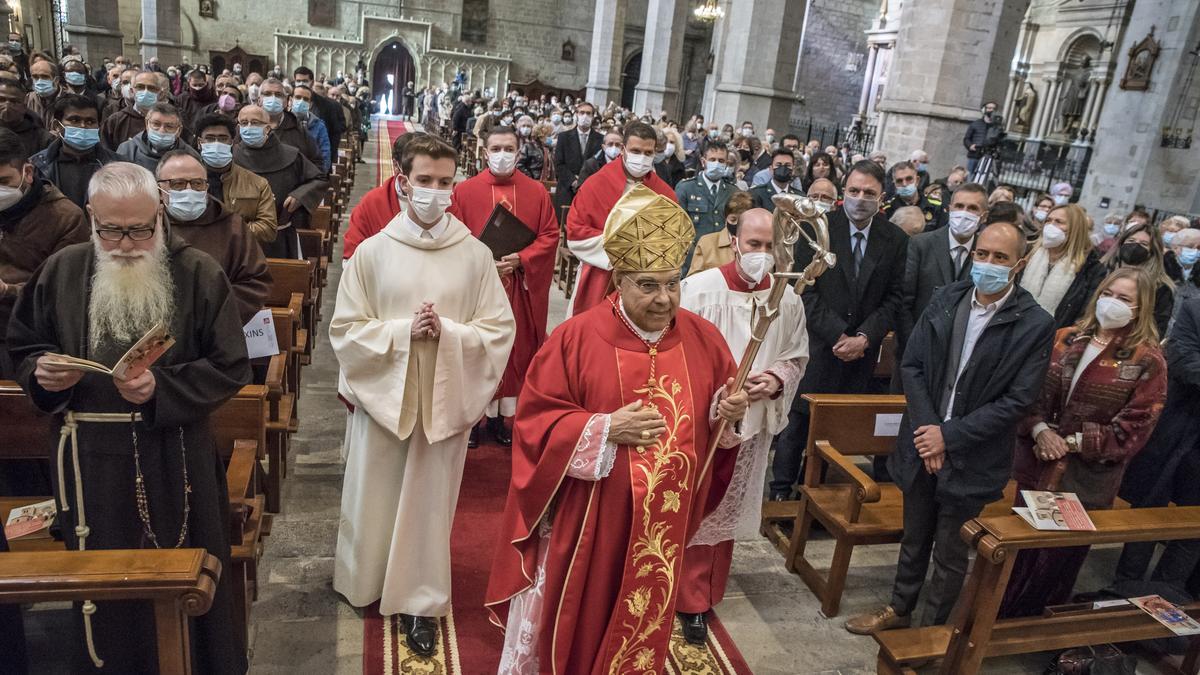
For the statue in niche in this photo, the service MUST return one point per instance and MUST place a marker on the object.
(208, 9)
(568, 51)
(1074, 96)
(1026, 105)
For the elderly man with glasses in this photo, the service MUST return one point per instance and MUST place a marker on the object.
(163, 127)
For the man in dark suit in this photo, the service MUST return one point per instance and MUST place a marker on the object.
(972, 368)
(571, 148)
(849, 309)
(329, 110)
(783, 168)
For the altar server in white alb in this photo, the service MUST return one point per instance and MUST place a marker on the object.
(422, 331)
(728, 297)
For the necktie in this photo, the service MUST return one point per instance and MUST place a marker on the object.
(959, 253)
(858, 251)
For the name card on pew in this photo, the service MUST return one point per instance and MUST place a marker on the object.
(260, 335)
(888, 424)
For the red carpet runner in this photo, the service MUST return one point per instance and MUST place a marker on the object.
(386, 133)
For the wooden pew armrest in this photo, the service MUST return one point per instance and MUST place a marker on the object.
(866, 490)
(239, 474)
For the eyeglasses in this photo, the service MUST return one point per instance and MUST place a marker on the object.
(199, 184)
(252, 123)
(117, 234)
(654, 287)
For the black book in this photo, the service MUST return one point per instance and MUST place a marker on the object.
(505, 234)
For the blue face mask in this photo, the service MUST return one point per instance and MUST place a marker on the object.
(43, 87)
(1168, 237)
(80, 138)
(989, 278)
(1111, 229)
(922, 166)
(272, 104)
(160, 140)
(300, 106)
(75, 79)
(253, 136)
(714, 170)
(145, 99)
(216, 155)
(906, 191)
(1188, 256)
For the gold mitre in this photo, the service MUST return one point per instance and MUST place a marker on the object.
(647, 232)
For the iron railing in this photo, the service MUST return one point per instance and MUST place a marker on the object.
(1034, 167)
(860, 136)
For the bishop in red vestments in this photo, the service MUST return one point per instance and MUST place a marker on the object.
(592, 204)
(526, 274)
(377, 208)
(612, 434)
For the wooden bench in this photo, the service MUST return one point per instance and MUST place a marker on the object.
(974, 633)
(566, 265)
(179, 582)
(289, 277)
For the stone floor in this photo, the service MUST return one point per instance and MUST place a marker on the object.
(301, 626)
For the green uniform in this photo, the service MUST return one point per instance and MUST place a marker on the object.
(705, 206)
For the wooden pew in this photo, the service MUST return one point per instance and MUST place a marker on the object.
(974, 633)
(566, 265)
(179, 582)
(291, 277)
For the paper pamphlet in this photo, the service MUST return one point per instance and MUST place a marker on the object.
(260, 335)
(1168, 614)
(30, 522)
(140, 356)
(1054, 511)
(888, 424)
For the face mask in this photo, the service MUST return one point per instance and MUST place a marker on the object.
(1168, 237)
(226, 103)
(1188, 256)
(429, 204)
(43, 87)
(525, 131)
(254, 92)
(507, 122)
(962, 224)
(638, 165)
(1053, 236)
(127, 91)
(756, 265)
(556, 119)
(782, 174)
(253, 136)
(300, 107)
(145, 99)
(860, 210)
(585, 121)
(186, 205)
(14, 46)
(1134, 254)
(568, 120)
(79, 138)
(989, 278)
(612, 151)
(75, 79)
(1111, 229)
(714, 170)
(160, 140)
(272, 104)
(714, 134)
(922, 166)
(1040, 215)
(728, 171)
(9, 196)
(669, 150)
(1112, 313)
(217, 155)
(502, 163)
(823, 206)
(770, 138)
(747, 132)
(1059, 200)
(906, 191)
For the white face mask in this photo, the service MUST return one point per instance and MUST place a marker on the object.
(585, 121)
(1112, 313)
(638, 165)
(9, 196)
(502, 163)
(963, 224)
(756, 265)
(1053, 236)
(612, 151)
(669, 150)
(1059, 200)
(429, 204)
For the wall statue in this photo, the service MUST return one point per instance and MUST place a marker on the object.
(1026, 105)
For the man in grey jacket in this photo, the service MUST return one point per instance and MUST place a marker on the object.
(163, 127)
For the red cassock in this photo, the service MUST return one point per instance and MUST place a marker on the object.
(614, 558)
(368, 218)
(529, 287)
(585, 221)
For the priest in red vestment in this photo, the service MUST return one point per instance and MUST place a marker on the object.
(608, 485)
(525, 274)
(382, 203)
(593, 202)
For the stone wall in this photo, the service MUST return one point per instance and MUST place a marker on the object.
(833, 38)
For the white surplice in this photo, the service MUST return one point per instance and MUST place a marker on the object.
(415, 403)
(784, 353)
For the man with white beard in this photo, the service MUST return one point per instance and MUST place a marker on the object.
(141, 465)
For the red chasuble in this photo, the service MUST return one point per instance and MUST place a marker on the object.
(368, 218)
(616, 545)
(529, 287)
(585, 220)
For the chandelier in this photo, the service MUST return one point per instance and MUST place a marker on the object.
(710, 11)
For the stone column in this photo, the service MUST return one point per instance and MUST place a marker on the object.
(946, 64)
(1014, 82)
(1050, 121)
(1090, 106)
(95, 28)
(662, 58)
(608, 41)
(161, 32)
(868, 82)
(757, 68)
(1101, 92)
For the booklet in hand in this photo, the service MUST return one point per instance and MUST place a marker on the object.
(30, 522)
(1054, 511)
(136, 361)
(1168, 614)
(505, 234)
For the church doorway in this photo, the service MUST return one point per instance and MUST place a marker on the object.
(630, 75)
(392, 70)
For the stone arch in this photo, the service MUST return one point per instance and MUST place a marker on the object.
(1083, 42)
(631, 74)
(413, 51)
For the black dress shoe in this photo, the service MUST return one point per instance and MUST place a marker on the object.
(420, 634)
(473, 439)
(781, 496)
(495, 427)
(695, 628)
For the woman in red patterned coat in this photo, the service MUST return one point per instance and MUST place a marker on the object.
(1100, 400)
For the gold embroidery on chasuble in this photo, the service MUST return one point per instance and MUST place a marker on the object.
(661, 477)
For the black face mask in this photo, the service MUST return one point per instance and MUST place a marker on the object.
(744, 154)
(782, 174)
(1134, 254)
